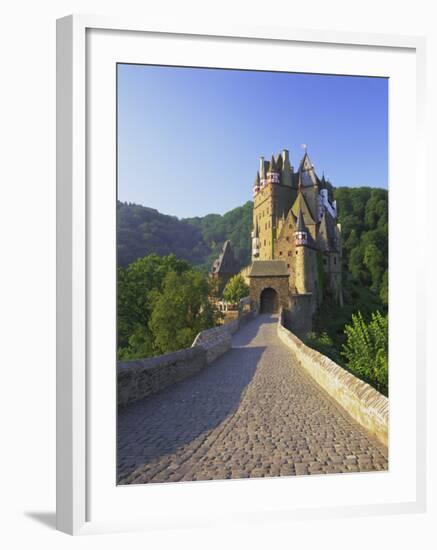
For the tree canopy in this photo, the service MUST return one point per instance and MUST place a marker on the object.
(162, 303)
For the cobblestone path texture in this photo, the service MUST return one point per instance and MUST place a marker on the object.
(252, 413)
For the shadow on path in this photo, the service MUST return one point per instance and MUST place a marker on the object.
(161, 424)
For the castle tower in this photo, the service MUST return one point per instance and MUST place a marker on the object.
(264, 210)
(274, 195)
(302, 258)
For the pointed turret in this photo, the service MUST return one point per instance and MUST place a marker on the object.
(273, 174)
(307, 174)
(301, 233)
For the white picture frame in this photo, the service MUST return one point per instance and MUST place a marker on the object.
(74, 207)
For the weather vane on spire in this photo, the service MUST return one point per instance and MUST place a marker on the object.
(304, 146)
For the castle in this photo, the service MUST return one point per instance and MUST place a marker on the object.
(296, 240)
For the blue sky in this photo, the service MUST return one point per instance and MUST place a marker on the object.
(189, 140)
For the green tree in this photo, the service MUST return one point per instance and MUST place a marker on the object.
(383, 293)
(235, 289)
(181, 310)
(373, 260)
(366, 349)
(135, 299)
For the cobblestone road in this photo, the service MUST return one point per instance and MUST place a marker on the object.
(252, 413)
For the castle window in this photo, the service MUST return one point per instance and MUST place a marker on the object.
(297, 252)
(335, 260)
(287, 239)
(264, 242)
(288, 265)
(280, 252)
(289, 252)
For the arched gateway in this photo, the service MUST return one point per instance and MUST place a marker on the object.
(269, 285)
(269, 302)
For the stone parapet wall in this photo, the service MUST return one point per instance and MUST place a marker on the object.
(218, 340)
(362, 402)
(144, 377)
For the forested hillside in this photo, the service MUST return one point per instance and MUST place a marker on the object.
(235, 225)
(142, 231)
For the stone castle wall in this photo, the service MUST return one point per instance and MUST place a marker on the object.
(362, 402)
(298, 316)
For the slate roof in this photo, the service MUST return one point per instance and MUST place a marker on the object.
(326, 238)
(226, 262)
(269, 268)
(301, 204)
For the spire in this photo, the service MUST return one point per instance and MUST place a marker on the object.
(272, 166)
(307, 173)
(301, 233)
(300, 221)
(256, 182)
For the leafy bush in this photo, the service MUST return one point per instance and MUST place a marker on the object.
(366, 349)
(235, 289)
